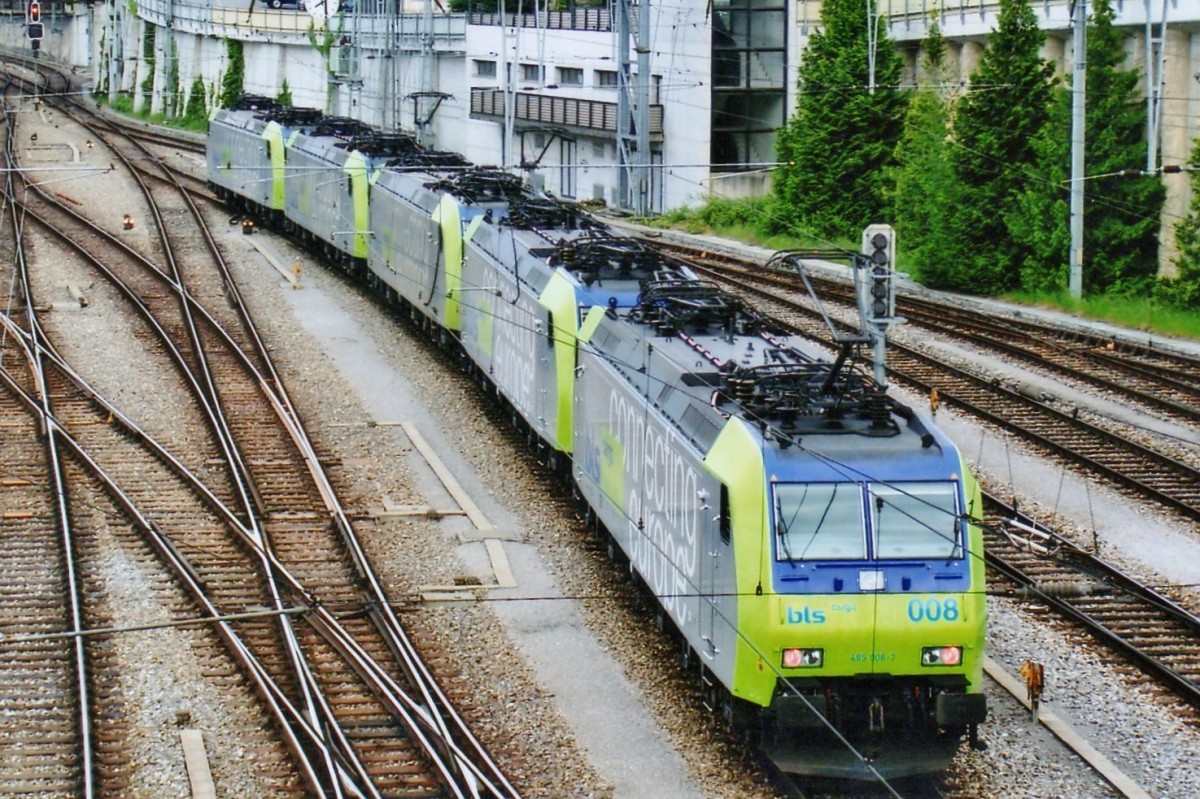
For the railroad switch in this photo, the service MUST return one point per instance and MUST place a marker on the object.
(1035, 681)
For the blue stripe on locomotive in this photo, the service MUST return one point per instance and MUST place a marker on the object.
(880, 463)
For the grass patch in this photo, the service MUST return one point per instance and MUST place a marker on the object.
(1136, 313)
(751, 221)
(123, 104)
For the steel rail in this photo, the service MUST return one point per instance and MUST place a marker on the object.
(386, 620)
(418, 718)
(321, 714)
(70, 569)
(291, 717)
(1085, 563)
(415, 715)
(381, 610)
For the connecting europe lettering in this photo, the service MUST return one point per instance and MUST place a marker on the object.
(661, 506)
(515, 348)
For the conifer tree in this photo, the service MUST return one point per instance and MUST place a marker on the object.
(1184, 289)
(196, 110)
(922, 182)
(1121, 223)
(842, 136)
(235, 74)
(1121, 219)
(995, 126)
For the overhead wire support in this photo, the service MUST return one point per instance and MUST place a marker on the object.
(1078, 137)
(633, 108)
(1154, 71)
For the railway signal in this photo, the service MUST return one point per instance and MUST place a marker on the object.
(34, 18)
(879, 245)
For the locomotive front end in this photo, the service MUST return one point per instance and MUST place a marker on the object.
(876, 630)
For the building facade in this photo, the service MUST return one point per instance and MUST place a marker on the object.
(543, 90)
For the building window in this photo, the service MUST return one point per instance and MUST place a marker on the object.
(485, 69)
(570, 76)
(606, 78)
(531, 73)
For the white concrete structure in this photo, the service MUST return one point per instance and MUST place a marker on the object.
(540, 91)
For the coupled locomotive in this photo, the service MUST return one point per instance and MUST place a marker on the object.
(813, 542)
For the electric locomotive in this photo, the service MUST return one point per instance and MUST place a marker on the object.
(246, 152)
(813, 542)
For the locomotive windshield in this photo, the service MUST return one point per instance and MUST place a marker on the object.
(915, 520)
(825, 521)
(819, 521)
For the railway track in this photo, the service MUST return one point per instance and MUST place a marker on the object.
(262, 536)
(1149, 629)
(38, 675)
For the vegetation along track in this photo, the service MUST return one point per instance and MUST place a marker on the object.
(1133, 465)
(264, 530)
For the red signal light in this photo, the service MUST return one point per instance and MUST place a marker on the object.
(35, 11)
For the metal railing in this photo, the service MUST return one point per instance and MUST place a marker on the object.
(580, 19)
(553, 110)
(372, 31)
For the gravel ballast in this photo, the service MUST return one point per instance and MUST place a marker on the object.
(581, 695)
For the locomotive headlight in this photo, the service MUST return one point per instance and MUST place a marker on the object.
(941, 655)
(803, 658)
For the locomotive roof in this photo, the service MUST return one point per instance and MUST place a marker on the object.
(700, 357)
(255, 117)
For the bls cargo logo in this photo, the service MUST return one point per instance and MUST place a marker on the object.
(805, 615)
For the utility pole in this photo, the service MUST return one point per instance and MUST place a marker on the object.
(429, 76)
(1078, 120)
(1156, 53)
(872, 43)
(641, 172)
(390, 111)
(633, 146)
(506, 84)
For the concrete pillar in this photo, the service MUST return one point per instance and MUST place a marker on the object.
(969, 58)
(1060, 53)
(912, 73)
(1176, 146)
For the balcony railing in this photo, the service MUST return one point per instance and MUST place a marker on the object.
(405, 32)
(553, 110)
(581, 19)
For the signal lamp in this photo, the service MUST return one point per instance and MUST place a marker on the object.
(803, 658)
(35, 11)
(941, 655)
